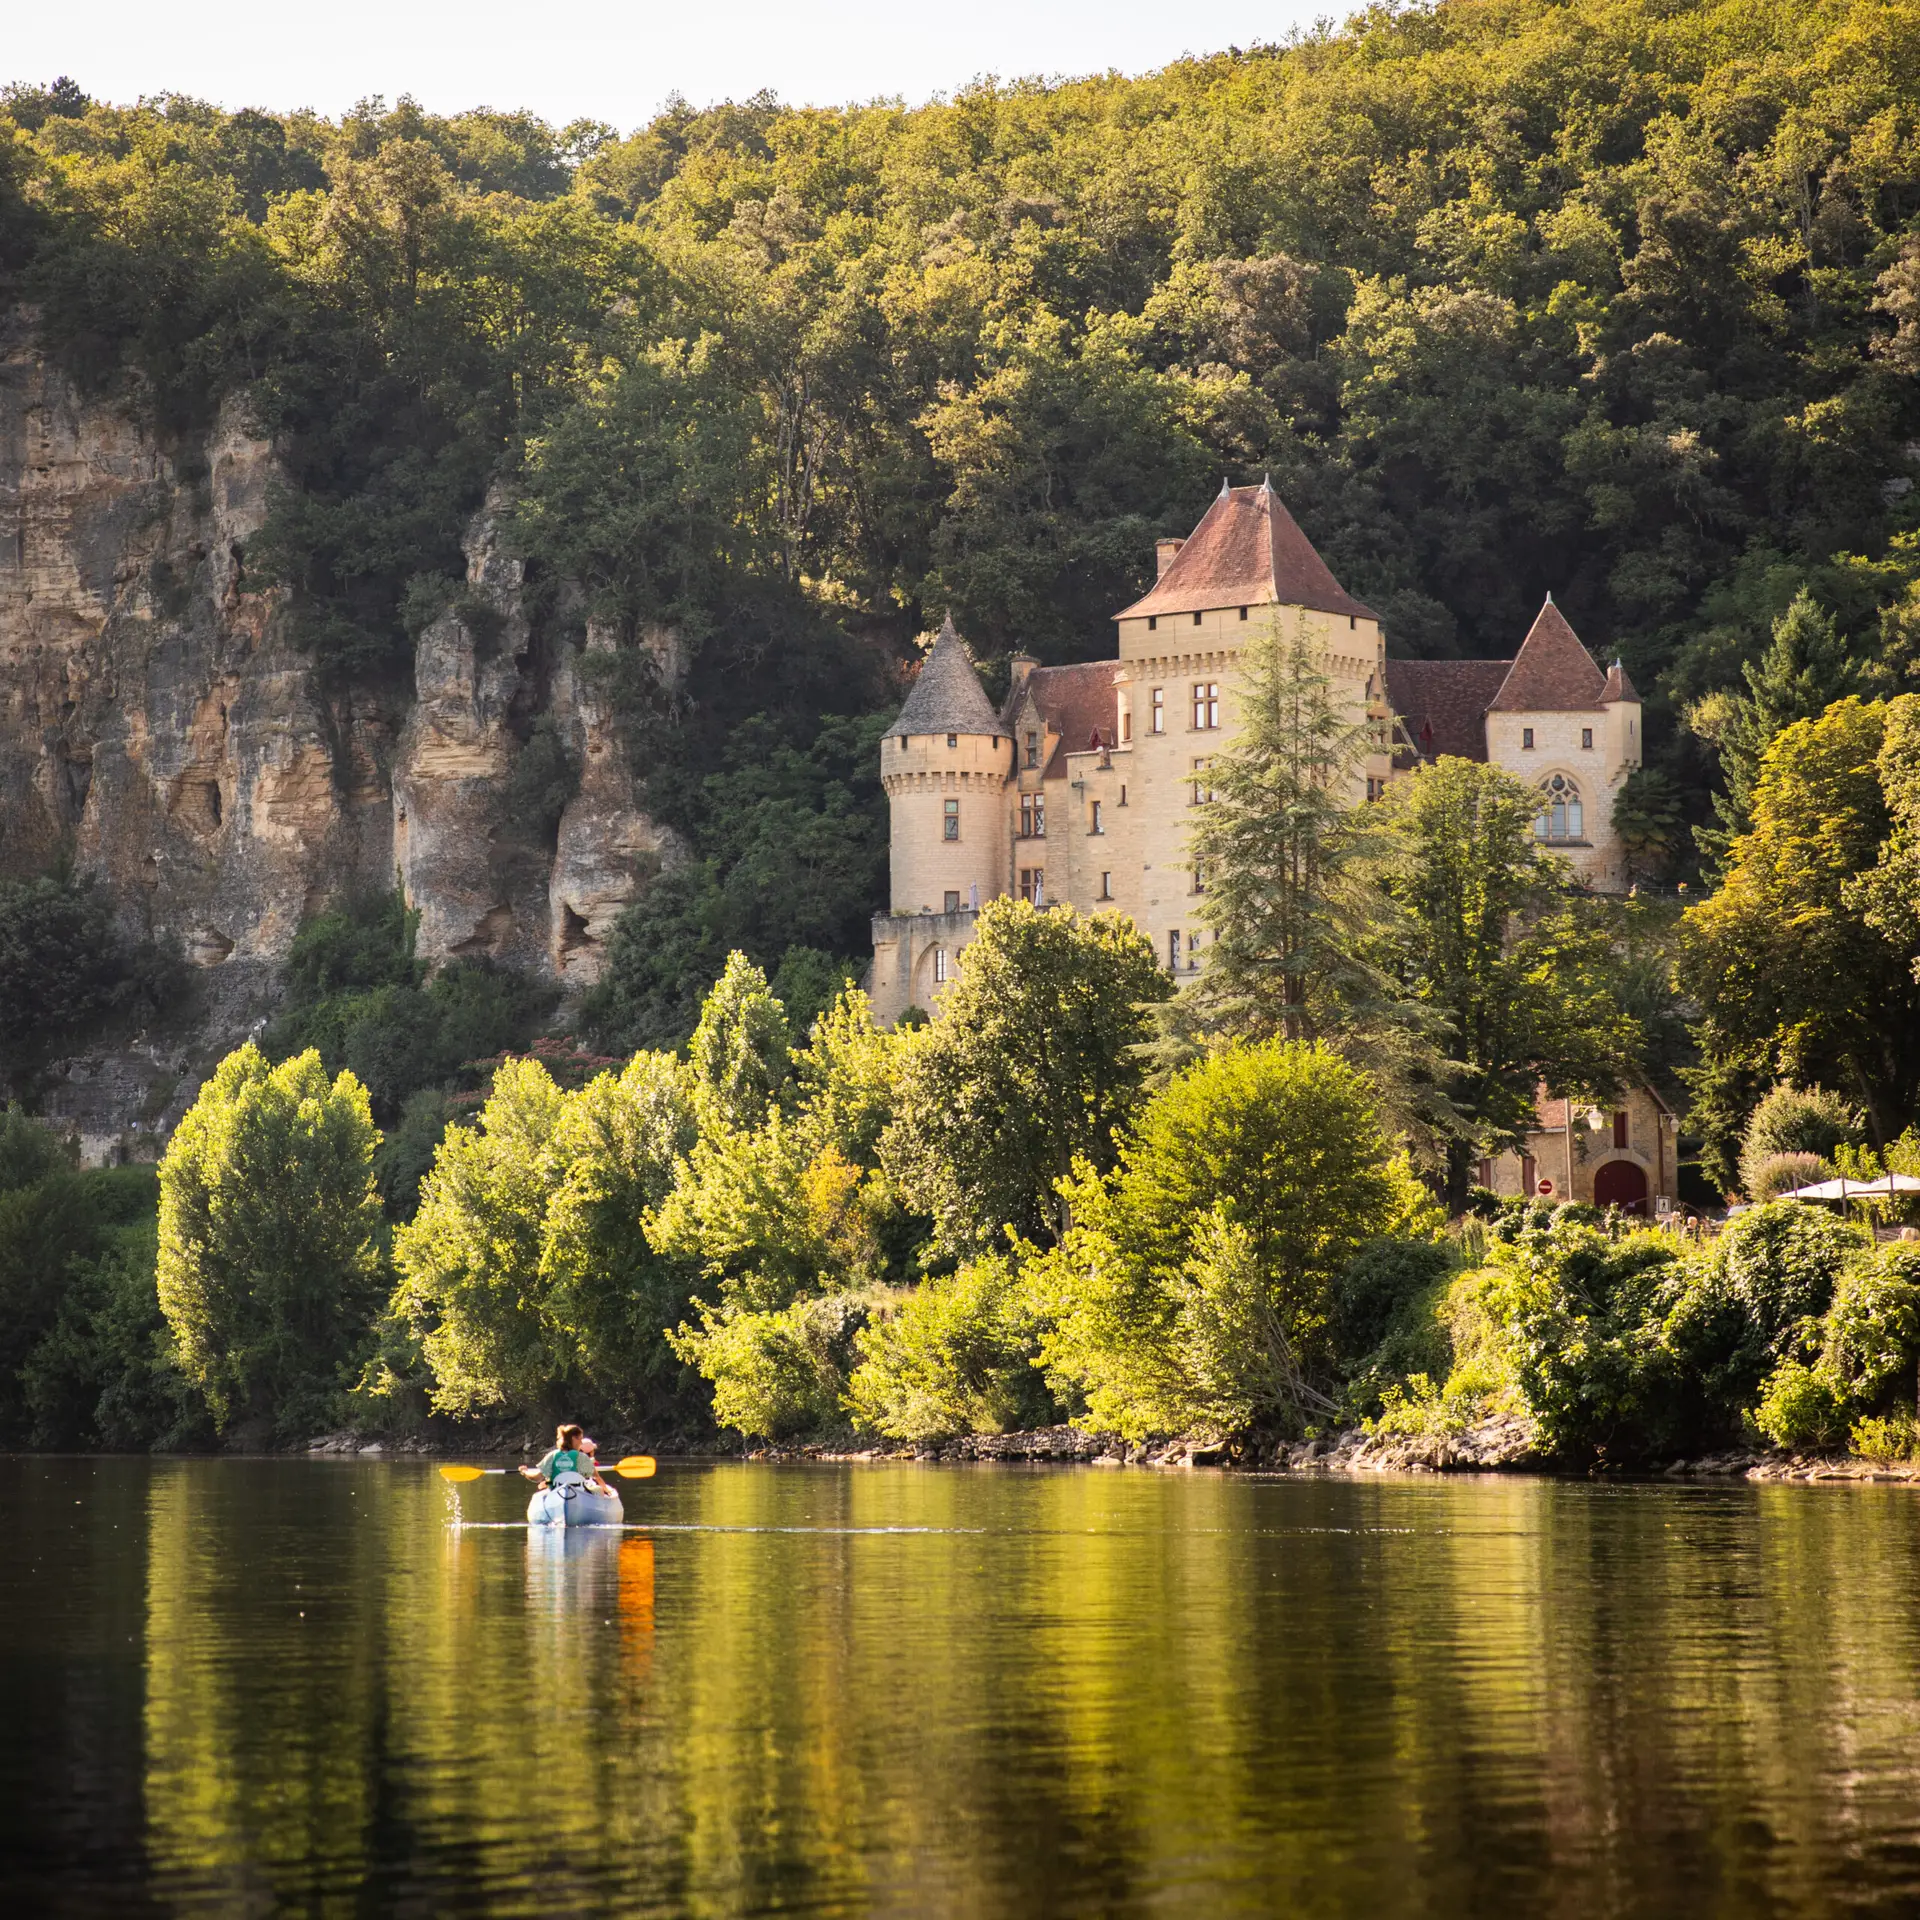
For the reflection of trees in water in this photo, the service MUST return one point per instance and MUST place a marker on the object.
(1090, 1691)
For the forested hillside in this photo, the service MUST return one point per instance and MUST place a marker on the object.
(1615, 298)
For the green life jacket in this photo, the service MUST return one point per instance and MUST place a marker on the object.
(568, 1460)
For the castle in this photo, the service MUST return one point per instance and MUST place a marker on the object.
(1080, 787)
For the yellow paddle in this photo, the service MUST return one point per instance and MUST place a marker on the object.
(636, 1466)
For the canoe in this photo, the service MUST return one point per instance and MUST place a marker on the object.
(573, 1503)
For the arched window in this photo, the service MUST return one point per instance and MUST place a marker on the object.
(1561, 816)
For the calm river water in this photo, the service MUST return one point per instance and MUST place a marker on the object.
(278, 1686)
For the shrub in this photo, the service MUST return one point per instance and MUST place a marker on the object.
(1891, 1436)
(1483, 1203)
(1795, 1120)
(957, 1356)
(1779, 1173)
(1801, 1408)
(1375, 1289)
(778, 1373)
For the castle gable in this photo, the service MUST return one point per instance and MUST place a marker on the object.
(1077, 704)
(1246, 551)
(1552, 673)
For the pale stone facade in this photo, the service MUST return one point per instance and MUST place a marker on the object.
(1081, 788)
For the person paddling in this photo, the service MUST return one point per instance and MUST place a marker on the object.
(568, 1454)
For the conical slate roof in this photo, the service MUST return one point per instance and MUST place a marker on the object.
(1552, 672)
(947, 696)
(1247, 551)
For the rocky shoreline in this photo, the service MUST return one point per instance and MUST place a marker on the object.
(1504, 1444)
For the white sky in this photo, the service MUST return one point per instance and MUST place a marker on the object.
(600, 59)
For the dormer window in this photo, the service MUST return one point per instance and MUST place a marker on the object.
(1033, 749)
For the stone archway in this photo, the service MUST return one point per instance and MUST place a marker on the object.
(1622, 1184)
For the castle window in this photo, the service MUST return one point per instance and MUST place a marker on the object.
(1097, 826)
(951, 825)
(1033, 749)
(1243, 613)
(1126, 721)
(1202, 789)
(939, 966)
(1353, 622)
(1199, 880)
(953, 739)
(1193, 953)
(1173, 949)
(1620, 1129)
(1153, 620)
(1561, 816)
(1586, 736)
(1123, 793)
(1526, 737)
(1033, 885)
(1106, 886)
(1033, 816)
(953, 900)
(1206, 705)
(1376, 788)
(1159, 710)
(1196, 619)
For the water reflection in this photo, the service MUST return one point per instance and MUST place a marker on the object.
(1061, 1693)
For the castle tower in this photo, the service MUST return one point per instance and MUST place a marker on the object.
(1573, 733)
(944, 764)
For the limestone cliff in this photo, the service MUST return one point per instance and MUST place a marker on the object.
(158, 727)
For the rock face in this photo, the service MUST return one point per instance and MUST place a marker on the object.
(158, 728)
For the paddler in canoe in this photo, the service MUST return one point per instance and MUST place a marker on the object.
(571, 1453)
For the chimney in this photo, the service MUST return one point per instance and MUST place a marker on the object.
(1163, 552)
(1019, 667)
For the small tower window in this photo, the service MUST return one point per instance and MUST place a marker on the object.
(1173, 949)
(1243, 613)
(1586, 737)
(1526, 738)
(1098, 825)
(1126, 721)
(953, 739)
(951, 825)
(1159, 710)
(953, 900)
(1196, 619)
(1106, 886)
(1033, 748)
(939, 966)
(1153, 620)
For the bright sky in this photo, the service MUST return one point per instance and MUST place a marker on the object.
(599, 59)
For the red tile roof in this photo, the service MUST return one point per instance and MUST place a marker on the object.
(1442, 704)
(1552, 672)
(1246, 551)
(1619, 687)
(1076, 703)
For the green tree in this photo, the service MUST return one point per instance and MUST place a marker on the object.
(269, 1260)
(1290, 866)
(1515, 975)
(1804, 669)
(1779, 959)
(1032, 1064)
(469, 1261)
(741, 1050)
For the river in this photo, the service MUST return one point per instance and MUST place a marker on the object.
(244, 1687)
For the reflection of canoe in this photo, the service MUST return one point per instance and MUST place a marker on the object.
(571, 1502)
